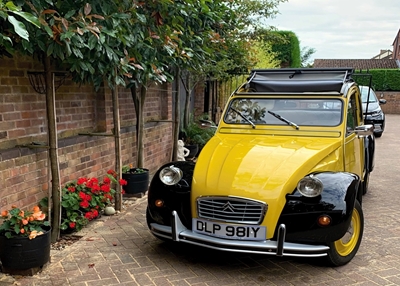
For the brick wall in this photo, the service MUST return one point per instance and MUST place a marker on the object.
(80, 110)
(392, 105)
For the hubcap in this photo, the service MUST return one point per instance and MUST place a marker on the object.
(348, 242)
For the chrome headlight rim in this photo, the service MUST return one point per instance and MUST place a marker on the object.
(170, 175)
(310, 186)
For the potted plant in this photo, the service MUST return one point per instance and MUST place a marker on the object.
(24, 240)
(137, 180)
(196, 136)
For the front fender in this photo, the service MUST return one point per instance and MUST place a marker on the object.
(369, 149)
(337, 200)
(174, 198)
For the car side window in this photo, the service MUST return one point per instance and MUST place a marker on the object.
(351, 115)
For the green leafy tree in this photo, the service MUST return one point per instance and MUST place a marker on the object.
(13, 21)
(287, 47)
(305, 56)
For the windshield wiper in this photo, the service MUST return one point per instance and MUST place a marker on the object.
(244, 117)
(284, 119)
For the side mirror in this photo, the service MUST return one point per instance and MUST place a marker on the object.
(364, 130)
(207, 124)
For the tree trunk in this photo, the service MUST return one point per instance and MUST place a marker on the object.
(138, 101)
(55, 200)
(177, 116)
(117, 138)
(188, 91)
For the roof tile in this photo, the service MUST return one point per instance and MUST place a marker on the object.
(356, 63)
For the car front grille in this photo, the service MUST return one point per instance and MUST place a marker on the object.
(230, 209)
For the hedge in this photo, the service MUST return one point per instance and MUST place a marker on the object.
(382, 79)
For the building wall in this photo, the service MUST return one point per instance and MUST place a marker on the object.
(392, 105)
(84, 126)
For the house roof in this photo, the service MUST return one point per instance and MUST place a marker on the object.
(356, 63)
(384, 54)
(396, 38)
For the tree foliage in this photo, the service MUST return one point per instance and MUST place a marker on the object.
(287, 48)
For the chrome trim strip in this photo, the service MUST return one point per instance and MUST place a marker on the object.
(178, 232)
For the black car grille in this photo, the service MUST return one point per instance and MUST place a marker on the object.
(229, 209)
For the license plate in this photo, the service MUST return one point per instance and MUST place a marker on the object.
(229, 231)
(377, 127)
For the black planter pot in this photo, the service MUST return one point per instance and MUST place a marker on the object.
(22, 253)
(194, 149)
(137, 182)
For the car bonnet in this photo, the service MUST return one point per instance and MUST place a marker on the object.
(263, 168)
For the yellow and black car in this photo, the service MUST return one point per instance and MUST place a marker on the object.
(284, 174)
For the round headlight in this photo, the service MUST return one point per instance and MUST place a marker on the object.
(171, 175)
(310, 186)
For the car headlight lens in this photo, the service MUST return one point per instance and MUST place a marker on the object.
(171, 175)
(310, 186)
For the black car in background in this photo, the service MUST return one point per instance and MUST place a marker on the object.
(373, 113)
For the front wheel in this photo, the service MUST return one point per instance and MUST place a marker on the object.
(343, 250)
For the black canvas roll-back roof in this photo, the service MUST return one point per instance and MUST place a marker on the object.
(298, 80)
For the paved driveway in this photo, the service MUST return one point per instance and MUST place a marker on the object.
(120, 250)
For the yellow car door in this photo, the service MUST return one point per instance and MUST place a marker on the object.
(353, 144)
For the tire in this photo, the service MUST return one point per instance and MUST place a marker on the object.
(343, 250)
(365, 183)
(377, 135)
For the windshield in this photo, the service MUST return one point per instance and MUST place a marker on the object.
(364, 94)
(295, 112)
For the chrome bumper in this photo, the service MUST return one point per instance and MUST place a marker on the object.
(178, 232)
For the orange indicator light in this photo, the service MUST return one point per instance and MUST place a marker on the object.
(324, 220)
(159, 203)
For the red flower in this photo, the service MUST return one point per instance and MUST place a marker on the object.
(122, 191)
(71, 189)
(84, 204)
(123, 182)
(81, 181)
(72, 224)
(92, 182)
(106, 180)
(95, 213)
(88, 215)
(105, 188)
(88, 198)
(95, 189)
(82, 195)
(112, 173)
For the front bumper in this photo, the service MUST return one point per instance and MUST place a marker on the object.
(377, 121)
(178, 232)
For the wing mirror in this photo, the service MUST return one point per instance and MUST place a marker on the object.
(207, 123)
(364, 130)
